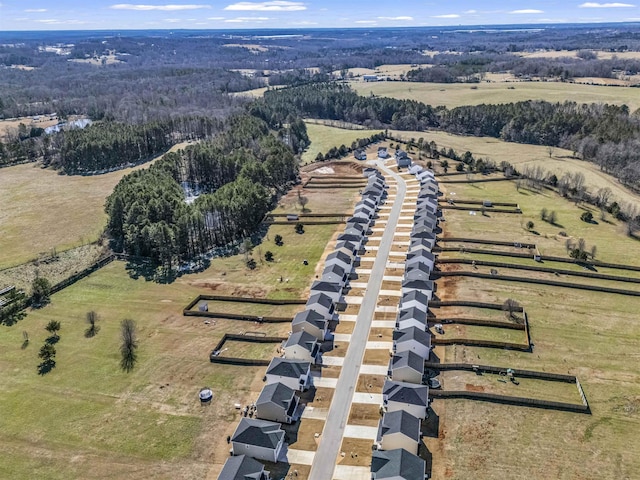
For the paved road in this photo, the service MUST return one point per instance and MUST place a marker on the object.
(326, 456)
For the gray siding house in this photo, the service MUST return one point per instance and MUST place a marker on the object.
(405, 396)
(242, 467)
(293, 373)
(399, 429)
(258, 439)
(406, 367)
(278, 403)
(397, 465)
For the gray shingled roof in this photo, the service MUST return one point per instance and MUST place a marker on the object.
(414, 295)
(402, 392)
(426, 285)
(423, 253)
(278, 394)
(357, 239)
(407, 359)
(397, 464)
(352, 246)
(424, 240)
(334, 269)
(417, 270)
(329, 287)
(399, 422)
(302, 338)
(310, 316)
(242, 467)
(412, 312)
(260, 433)
(284, 367)
(340, 255)
(421, 229)
(412, 333)
(321, 299)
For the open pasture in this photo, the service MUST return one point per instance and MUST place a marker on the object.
(454, 95)
(323, 138)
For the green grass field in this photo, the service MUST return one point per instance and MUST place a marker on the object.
(459, 94)
(522, 155)
(323, 138)
(588, 334)
(42, 210)
(87, 419)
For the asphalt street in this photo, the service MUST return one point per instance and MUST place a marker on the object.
(324, 461)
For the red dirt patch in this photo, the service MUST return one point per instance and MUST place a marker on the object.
(473, 388)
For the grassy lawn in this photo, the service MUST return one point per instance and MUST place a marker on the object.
(588, 334)
(323, 138)
(522, 155)
(93, 420)
(42, 210)
(613, 245)
(459, 94)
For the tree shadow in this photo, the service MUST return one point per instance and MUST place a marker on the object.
(92, 331)
(52, 340)
(46, 366)
(25, 344)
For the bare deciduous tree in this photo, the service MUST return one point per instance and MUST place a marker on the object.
(129, 345)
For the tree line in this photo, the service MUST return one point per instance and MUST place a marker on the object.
(608, 135)
(105, 145)
(238, 174)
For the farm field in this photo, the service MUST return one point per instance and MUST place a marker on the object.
(42, 210)
(324, 137)
(459, 94)
(588, 334)
(100, 422)
(521, 155)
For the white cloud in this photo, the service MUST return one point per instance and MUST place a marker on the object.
(271, 6)
(303, 23)
(366, 22)
(36, 10)
(447, 15)
(526, 11)
(605, 5)
(399, 19)
(470, 12)
(53, 21)
(215, 18)
(164, 8)
(247, 19)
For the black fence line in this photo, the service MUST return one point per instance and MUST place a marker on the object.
(233, 316)
(306, 222)
(471, 342)
(466, 303)
(309, 215)
(486, 209)
(487, 242)
(338, 185)
(479, 202)
(231, 299)
(533, 268)
(84, 273)
(242, 338)
(552, 377)
(594, 263)
(240, 361)
(506, 400)
(537, 281)
(477, 322)
(480, 180)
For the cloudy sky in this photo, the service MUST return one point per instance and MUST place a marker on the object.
(176, 14)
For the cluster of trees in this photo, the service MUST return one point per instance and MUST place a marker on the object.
(105, 145)
(237, 175)
(343, 150)
(339, 102)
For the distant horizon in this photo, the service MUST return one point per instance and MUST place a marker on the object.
(98, 15)
(450, 28)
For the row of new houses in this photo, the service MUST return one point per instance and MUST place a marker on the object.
(262, 438)
(405, 396)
